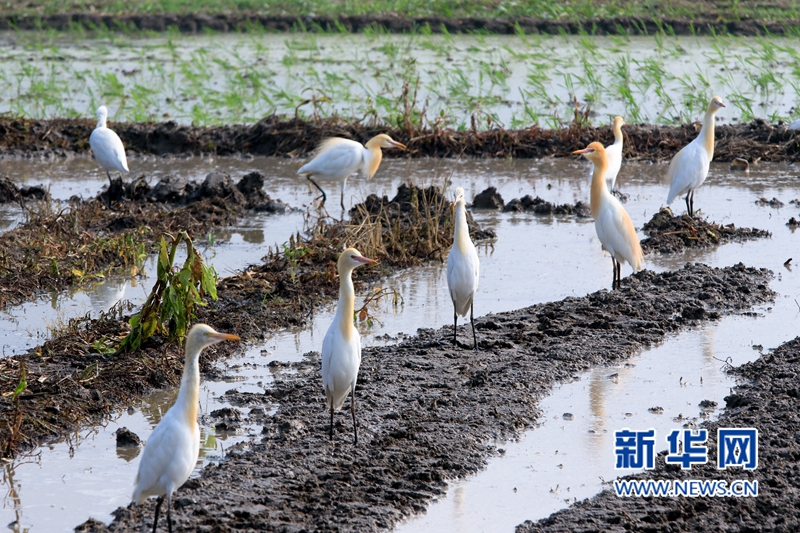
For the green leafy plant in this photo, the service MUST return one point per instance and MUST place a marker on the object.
(170, 306)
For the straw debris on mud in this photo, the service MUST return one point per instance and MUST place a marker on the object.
(669, 234)
(274, 136)
(78, 371)
(429, 412)
(58, 246)
(765, 399)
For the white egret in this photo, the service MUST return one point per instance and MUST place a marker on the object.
(107, 146)
(171, 452)
(335, 159)
(612, 223)
(463, 268)
(341, 347)
(689, 168)
(614, 155)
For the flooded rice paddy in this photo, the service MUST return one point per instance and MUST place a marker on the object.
(535, 259)
(513, 81)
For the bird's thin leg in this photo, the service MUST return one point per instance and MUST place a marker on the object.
(169, 513)
(353, 410)
(613, 273)
(692, 202)
(688, 205)
(619, 274)
(331, 430)
(342, 196)
(324, 196)
(455, 324)
(159, 501)
(472, 321)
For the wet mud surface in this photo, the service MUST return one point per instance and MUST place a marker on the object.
(272, 136)
(705, 23)
(766, 399)
(428, 411)
(669, 234)
(71, 382)
(59, 246)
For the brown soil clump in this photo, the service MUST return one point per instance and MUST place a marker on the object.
(272, 136)
(281, 292)
(430, 412)
(669, 234)
(766, 399)
(538, 206)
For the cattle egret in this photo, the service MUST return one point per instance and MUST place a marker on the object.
(689, 168)
(341, 347)
(614, 154)
(611, 221)
(463, 268)
(172, 450)
(107, 146)
(336, 159)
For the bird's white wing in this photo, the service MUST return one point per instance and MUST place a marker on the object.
(463, 272)
(614, 155)
(688, 170)
(615, 230)
(169, 454)
(327, 353)
(335, 160)
(108, 150)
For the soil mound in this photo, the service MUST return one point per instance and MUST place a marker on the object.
(9, 192)
(248, 193)
(526, 204)
(488, 199)
(670, 234)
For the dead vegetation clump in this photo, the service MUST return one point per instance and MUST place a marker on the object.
(671, 234)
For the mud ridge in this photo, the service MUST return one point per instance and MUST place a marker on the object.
(72, 381)
(429, 411)
(273, 136)
(701, 24)
(766, 399)
(669, 234)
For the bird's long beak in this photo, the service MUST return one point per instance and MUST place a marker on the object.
(224, 336)
(396, 144)
(722, 105)
(365, 260)
(584, 151)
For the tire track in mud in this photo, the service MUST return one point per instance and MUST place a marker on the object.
(428, 412)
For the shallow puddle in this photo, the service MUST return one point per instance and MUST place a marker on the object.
(535, 259)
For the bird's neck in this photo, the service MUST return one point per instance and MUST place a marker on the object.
(461, 238)
(101, 122)
(347, 303)
(373, 158)
(599, 188)
(617, 134)
(707, 132)
(189, 395)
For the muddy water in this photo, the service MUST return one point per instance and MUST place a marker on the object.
(535, 259)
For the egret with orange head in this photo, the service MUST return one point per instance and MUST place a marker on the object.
(336, 159)
(612, 223)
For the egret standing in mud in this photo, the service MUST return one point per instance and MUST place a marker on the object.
(341, 347)
(172, 450)
(107, 146)
(463, 268)
(335, 159)
(689, 168)
(611, 221)
(614, 155)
